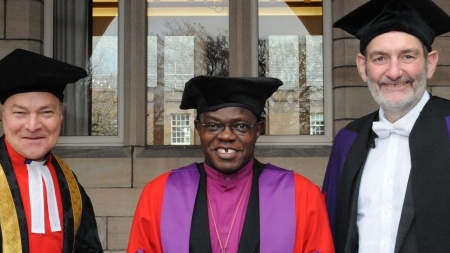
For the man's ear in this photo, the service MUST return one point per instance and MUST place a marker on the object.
(261, 128)
(361, 65)
(197, 125)
(432, 60)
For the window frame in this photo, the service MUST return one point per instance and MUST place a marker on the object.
(131, 120)
(180, 118)
(326, 139)
(89, 140)
(316, 124)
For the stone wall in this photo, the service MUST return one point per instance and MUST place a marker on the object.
(21, 26)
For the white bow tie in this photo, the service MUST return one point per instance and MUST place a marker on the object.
(384, 129)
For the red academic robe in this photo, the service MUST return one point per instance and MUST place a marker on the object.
(39, 243)
(312, 231)
(79, 228)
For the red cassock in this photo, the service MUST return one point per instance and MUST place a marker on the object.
(76, 216)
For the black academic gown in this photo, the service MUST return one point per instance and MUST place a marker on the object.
(425, 220)
(86, 239)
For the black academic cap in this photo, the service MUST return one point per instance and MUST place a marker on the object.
(421, 18)
(24, 71)
(210, 93)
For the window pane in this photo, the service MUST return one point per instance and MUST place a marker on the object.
(317, 124)
(104, 68)
(181, 132)
(290, 48)
(186, 38)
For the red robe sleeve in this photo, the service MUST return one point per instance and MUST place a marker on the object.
(145, 235)
(313, 234)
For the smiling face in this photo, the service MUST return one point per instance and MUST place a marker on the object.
(226, 151)
(396, 69)
(32, 123)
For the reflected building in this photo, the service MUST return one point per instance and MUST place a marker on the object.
(297, 108)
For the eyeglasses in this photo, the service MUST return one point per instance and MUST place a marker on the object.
(238, 128)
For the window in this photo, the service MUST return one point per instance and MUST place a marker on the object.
(181, 130)
(290, 48)
(317, 124)
(287, 39)
(185, 39)
(88, 38)
(190, 38)
(104, 69)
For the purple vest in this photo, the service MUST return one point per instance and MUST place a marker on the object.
(276, 205)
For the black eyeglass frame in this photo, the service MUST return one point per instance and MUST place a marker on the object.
(238, 128)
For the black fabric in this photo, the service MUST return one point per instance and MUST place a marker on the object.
(406, 240)
(421, 18)
(25, 71)
(250, 237)
(210, 93)
(87, 240)
(67, 207)
(200, 240)
(429, 177)
(14, 186)
(346, 230)
(430, 174)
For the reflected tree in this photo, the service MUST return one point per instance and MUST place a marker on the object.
(211, 57)
(217, 56)
(296, 88)
(263, 57)
(212, 52)
(104, 97)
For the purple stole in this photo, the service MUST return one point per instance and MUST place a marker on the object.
(277, 209)
(341, 147)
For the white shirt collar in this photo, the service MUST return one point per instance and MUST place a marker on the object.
(411, 117)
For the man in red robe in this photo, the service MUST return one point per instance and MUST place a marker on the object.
(231, 202)
(43, 207)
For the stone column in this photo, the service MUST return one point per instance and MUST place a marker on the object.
(21, 25)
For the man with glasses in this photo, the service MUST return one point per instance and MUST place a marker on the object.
(231, 202)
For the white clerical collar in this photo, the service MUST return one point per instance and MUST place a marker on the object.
(38, 174)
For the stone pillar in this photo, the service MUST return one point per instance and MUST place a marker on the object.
(21, 25)
(352, 98)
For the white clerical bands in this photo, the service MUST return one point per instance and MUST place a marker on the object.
(38, 175)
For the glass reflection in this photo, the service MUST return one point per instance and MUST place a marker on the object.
(185, 39)
(104, 68)
(290, 48)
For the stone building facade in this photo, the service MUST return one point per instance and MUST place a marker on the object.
(114, 175)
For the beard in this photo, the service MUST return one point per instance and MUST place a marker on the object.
(409, 98)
